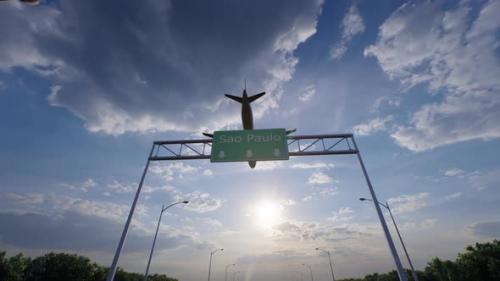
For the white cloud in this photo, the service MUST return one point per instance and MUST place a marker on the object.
(455, 54)
(171, 171)
(321, 193)
(372, 126)
(313, 165)
(117, 88)
(287, 202)
(386, 102)
(308, 93)
(208, 173)
(319, 178)
(452, 196)
(57, 204)
(352, 24)
(120, 188)
(408, 203)
(343, 214)
(83, 186)
(318, 231)
(454, 172)
(200, 202)
(268, 165)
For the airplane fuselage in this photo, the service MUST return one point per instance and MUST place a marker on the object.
(246, 113)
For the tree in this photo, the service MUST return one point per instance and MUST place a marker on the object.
(13, 268)
(481, 262)
(60, 267)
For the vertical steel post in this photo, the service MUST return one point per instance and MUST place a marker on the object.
(112, 270)
(414, 274)
(399, 267)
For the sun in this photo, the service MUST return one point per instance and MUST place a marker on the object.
(267, 213)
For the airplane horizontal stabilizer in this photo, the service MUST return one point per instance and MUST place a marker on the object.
(238, 99)
(252, 98)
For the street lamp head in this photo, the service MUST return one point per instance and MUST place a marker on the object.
(362, 199)
(317, 249)
(185, 201)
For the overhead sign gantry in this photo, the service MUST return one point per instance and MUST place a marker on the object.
(251, 145)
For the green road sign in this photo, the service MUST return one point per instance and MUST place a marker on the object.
(249, 145)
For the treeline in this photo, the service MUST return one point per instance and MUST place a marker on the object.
(62, 267)
(478, 263)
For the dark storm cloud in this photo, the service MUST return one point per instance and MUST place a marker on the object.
(73, 231)
(157, 65)
(487, 229)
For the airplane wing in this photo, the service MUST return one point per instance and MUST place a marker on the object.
(238, 99)
(254, 97)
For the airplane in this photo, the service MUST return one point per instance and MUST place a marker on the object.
(246, 115)
(28, 2)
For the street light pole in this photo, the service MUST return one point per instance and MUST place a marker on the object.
(310, 270)
(163, 209)
(227, 266)
(210, 262)
(392, 247)
(386, 205)
(329, 259)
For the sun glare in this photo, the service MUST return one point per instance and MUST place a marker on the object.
(267, 213)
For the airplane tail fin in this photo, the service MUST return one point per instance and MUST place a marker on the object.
(254, 97)
(235, 98)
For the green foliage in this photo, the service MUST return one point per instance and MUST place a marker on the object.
(480, 262)
(62, 267)
(13, 268)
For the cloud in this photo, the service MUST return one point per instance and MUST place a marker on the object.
(269, 165)
(453, 52)
(482, 180)
(352, 24)
(408, 203)
(486, 229)
(343, 214)
(372, 126)
(76, 231)
(304, 230)
(454, 172)
(208, 173)
(83, 186)
(157, 66)
(385, 102)
(200, 202)
(276, 256)
(120, 188)
(319, 178)
(313, 165)
(307, 94)
(452, 196)
(57, 204)
(172, 170)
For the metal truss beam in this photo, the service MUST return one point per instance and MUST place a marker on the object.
(303, 145)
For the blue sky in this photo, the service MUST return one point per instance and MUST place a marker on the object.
(86, 87)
